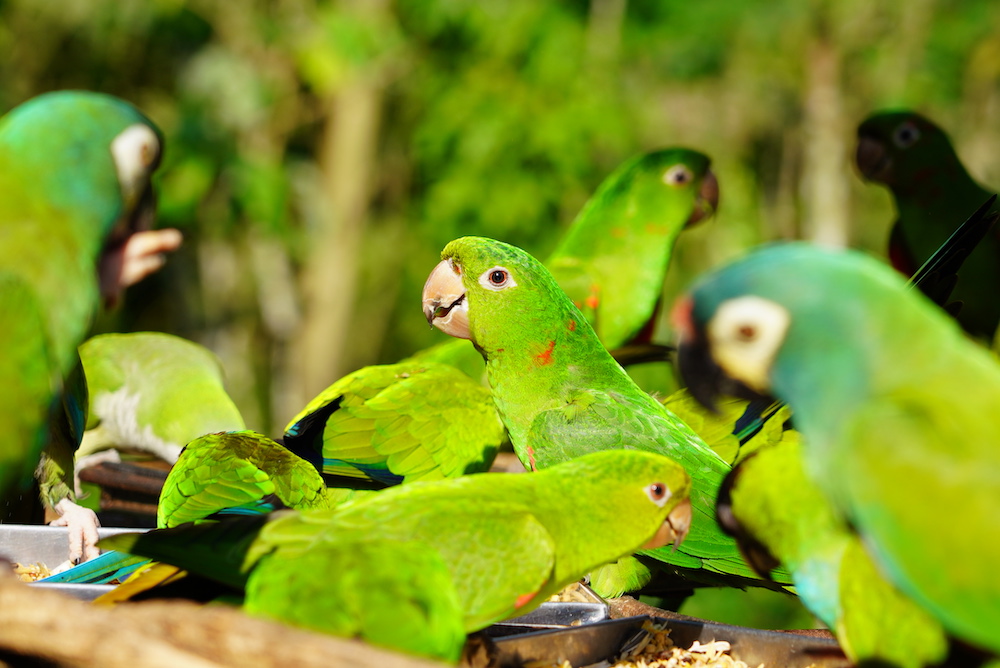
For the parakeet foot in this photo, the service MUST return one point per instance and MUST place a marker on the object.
(82, 526)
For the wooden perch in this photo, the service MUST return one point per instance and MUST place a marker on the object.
(62, 631)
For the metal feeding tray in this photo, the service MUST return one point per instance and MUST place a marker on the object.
(598, 642)
(29, 544)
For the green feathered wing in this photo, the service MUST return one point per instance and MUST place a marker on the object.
(398, 423)
(240, 471)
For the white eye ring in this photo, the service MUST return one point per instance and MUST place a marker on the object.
(658, 493)
(678, 175)
(497, 278)
(906, 134)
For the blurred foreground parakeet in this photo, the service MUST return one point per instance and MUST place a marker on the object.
(778, 515)
(154, 392)
(416, 567)
(561, 394)
(932, 190)
(895, 405)
(75, 172)
(420, 419)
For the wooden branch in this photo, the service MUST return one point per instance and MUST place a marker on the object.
(63, 631)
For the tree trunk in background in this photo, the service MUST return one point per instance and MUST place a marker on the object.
(331, 273)
(825, 169)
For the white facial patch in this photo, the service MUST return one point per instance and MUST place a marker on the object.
(745, 335)
(134, 151)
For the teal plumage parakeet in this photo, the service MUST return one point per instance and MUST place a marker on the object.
(562, 395)
(418, 566)
(154, 392)
(779, 515)
(894, 403)
(421, 419)
(75, 172)
(913, 157)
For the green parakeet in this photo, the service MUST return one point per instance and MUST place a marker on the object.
(75, 172)
(778, 515)
(894, 403)
(613, 259)
(240, 471)
(154, 392)
(418, 566)
(561, 394)
(931, 188)
(420, 419)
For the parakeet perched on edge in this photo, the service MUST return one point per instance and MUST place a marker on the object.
(75, 172)
(895, 405)
(154, 392)
(912, 156)
(418, 566)
(561, 395)
(420, 419)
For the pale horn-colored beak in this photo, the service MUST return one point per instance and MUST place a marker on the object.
(674, 528)
(444, 300)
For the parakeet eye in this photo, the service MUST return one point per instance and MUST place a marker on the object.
(497, 278)
(658, 493)
(906, 135)
(745, 335)
(678, 175)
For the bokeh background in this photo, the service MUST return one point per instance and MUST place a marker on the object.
(320, 154)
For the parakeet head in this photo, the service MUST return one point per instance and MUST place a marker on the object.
(760, 326)
(89, 157)
(902, 149)
(657, 178)
(87, 151)
(644, 495)
(493, 293)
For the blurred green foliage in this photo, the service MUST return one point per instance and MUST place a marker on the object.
(349, 141)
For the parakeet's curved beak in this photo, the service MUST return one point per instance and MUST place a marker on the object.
(873, 160)
(444, 300)
(674, 528)
(707, 201)
(705, 379)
